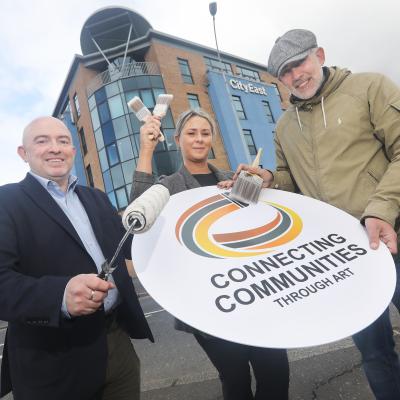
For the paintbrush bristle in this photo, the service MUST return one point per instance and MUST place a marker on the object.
(162, 104)
(140, 110)
(164, 98)
(247, 188)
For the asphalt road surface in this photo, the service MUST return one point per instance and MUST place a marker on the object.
(175, 367)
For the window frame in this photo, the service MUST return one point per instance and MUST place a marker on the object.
(81, 133)
(89, 175)
(227, 67)
(182, 64)
(268, 111)
(247, 133)
(194, 99)
(238, 100)
(77, 106)
(253, 74)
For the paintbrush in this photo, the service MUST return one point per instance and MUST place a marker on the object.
(248, 186)
(162, 104)
(141, 112)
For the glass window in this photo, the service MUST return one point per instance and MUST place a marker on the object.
(95, 119)
(185, 71)
(77, 107)
(136, 140)
(83, 141)
(169, 138)
(121, 197)
(237, 103)
(129, 189)
(116, 107)
(135, 123)
(157, 92)
(248, 73)
(100, 95)
(66, 112)
(108, 133)
(248, 137)
(194, 102)
(167, 121)
(120, 127)
(143, 82)
(134, 147)
(161, 146)
(268, 112)
(127, 169)
(103, 160)
(89, 175)
(91, 102)
(112, 154)
(112, 89)
(112, 198)
(156, 81)
(125, 149)
(99, 139)
(130, 95)
(107, 181)
(215, 65)
(147, 98)
(117, 176)
(129, 84)
(104, 113)
(276, 89)
(211, 154)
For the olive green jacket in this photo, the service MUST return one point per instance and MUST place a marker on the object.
(343, 145)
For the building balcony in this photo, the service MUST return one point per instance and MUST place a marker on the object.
(128, 70)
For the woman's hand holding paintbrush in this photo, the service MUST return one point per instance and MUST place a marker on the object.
(160, 110)
(150, 134)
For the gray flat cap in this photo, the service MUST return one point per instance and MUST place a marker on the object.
(292, 46)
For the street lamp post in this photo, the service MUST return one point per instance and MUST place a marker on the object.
(213, 11)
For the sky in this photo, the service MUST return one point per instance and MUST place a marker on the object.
(40, 37)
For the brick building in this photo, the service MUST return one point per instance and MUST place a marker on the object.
(122, 57)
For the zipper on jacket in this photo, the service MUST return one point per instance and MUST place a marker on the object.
(314, 148)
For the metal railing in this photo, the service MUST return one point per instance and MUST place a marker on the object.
(111, 75)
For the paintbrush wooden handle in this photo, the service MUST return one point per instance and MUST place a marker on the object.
(256, 161)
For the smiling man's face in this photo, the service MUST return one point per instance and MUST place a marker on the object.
(304, 78)
(48, 149)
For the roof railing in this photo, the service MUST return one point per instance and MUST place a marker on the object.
(128, 70)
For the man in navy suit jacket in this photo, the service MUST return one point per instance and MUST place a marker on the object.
(68, 330)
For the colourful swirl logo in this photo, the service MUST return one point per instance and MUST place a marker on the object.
(193, 227)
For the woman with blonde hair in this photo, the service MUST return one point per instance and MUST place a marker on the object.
(194, 133)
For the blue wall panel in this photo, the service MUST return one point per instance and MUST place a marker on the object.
(251, 94)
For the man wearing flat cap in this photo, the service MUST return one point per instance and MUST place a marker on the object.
(339, 142)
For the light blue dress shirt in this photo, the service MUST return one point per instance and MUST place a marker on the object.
(71, 205)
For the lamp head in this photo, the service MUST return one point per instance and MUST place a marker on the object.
(213, 8)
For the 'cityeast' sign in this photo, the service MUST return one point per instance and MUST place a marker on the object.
(289, 271)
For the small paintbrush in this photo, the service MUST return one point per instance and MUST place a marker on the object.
(162, 104)
(141, 112)
(248, 186)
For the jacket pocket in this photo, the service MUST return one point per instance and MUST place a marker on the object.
(376, 168)
(372, 177)
(396, 105)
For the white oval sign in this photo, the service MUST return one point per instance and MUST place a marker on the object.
(287, 272)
